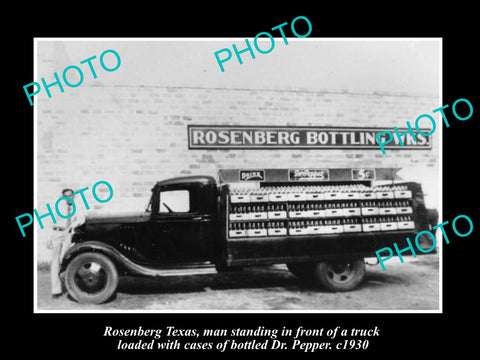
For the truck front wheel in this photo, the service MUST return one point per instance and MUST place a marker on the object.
(340, 275)
(91, 278)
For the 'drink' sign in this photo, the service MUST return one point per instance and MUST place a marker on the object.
(274, 137)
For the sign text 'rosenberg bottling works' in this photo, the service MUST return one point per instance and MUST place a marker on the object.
(278, 137)
(50, 214)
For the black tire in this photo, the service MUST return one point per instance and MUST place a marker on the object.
(303, 271)
(338, 276)
(91, 278)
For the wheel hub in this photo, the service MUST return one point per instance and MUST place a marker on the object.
(91, 278)
(340, 272)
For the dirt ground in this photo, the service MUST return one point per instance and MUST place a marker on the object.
(413, 285)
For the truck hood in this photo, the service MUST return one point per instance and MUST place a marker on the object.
(120, 217)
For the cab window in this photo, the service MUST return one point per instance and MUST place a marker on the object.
(174, 201)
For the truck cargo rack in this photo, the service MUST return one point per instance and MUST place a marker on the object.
(319, 211)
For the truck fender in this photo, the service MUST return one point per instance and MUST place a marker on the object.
(117, 257)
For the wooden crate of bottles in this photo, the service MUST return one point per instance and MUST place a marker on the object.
(327, 209)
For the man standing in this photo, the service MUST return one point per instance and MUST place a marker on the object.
(60, 240)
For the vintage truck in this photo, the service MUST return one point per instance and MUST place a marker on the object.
(322, 223)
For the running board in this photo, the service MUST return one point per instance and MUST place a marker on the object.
(186, 271)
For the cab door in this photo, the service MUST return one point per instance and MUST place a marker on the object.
(178, 231)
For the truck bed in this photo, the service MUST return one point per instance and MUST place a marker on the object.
(363, 224)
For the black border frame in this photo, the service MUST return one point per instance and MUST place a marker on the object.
(409, 333)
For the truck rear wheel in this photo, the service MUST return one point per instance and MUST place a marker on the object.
(91, 278)
(338, 275)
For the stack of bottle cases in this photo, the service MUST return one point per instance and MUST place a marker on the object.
(306, 210)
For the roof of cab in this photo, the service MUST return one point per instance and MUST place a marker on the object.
(187, 180)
